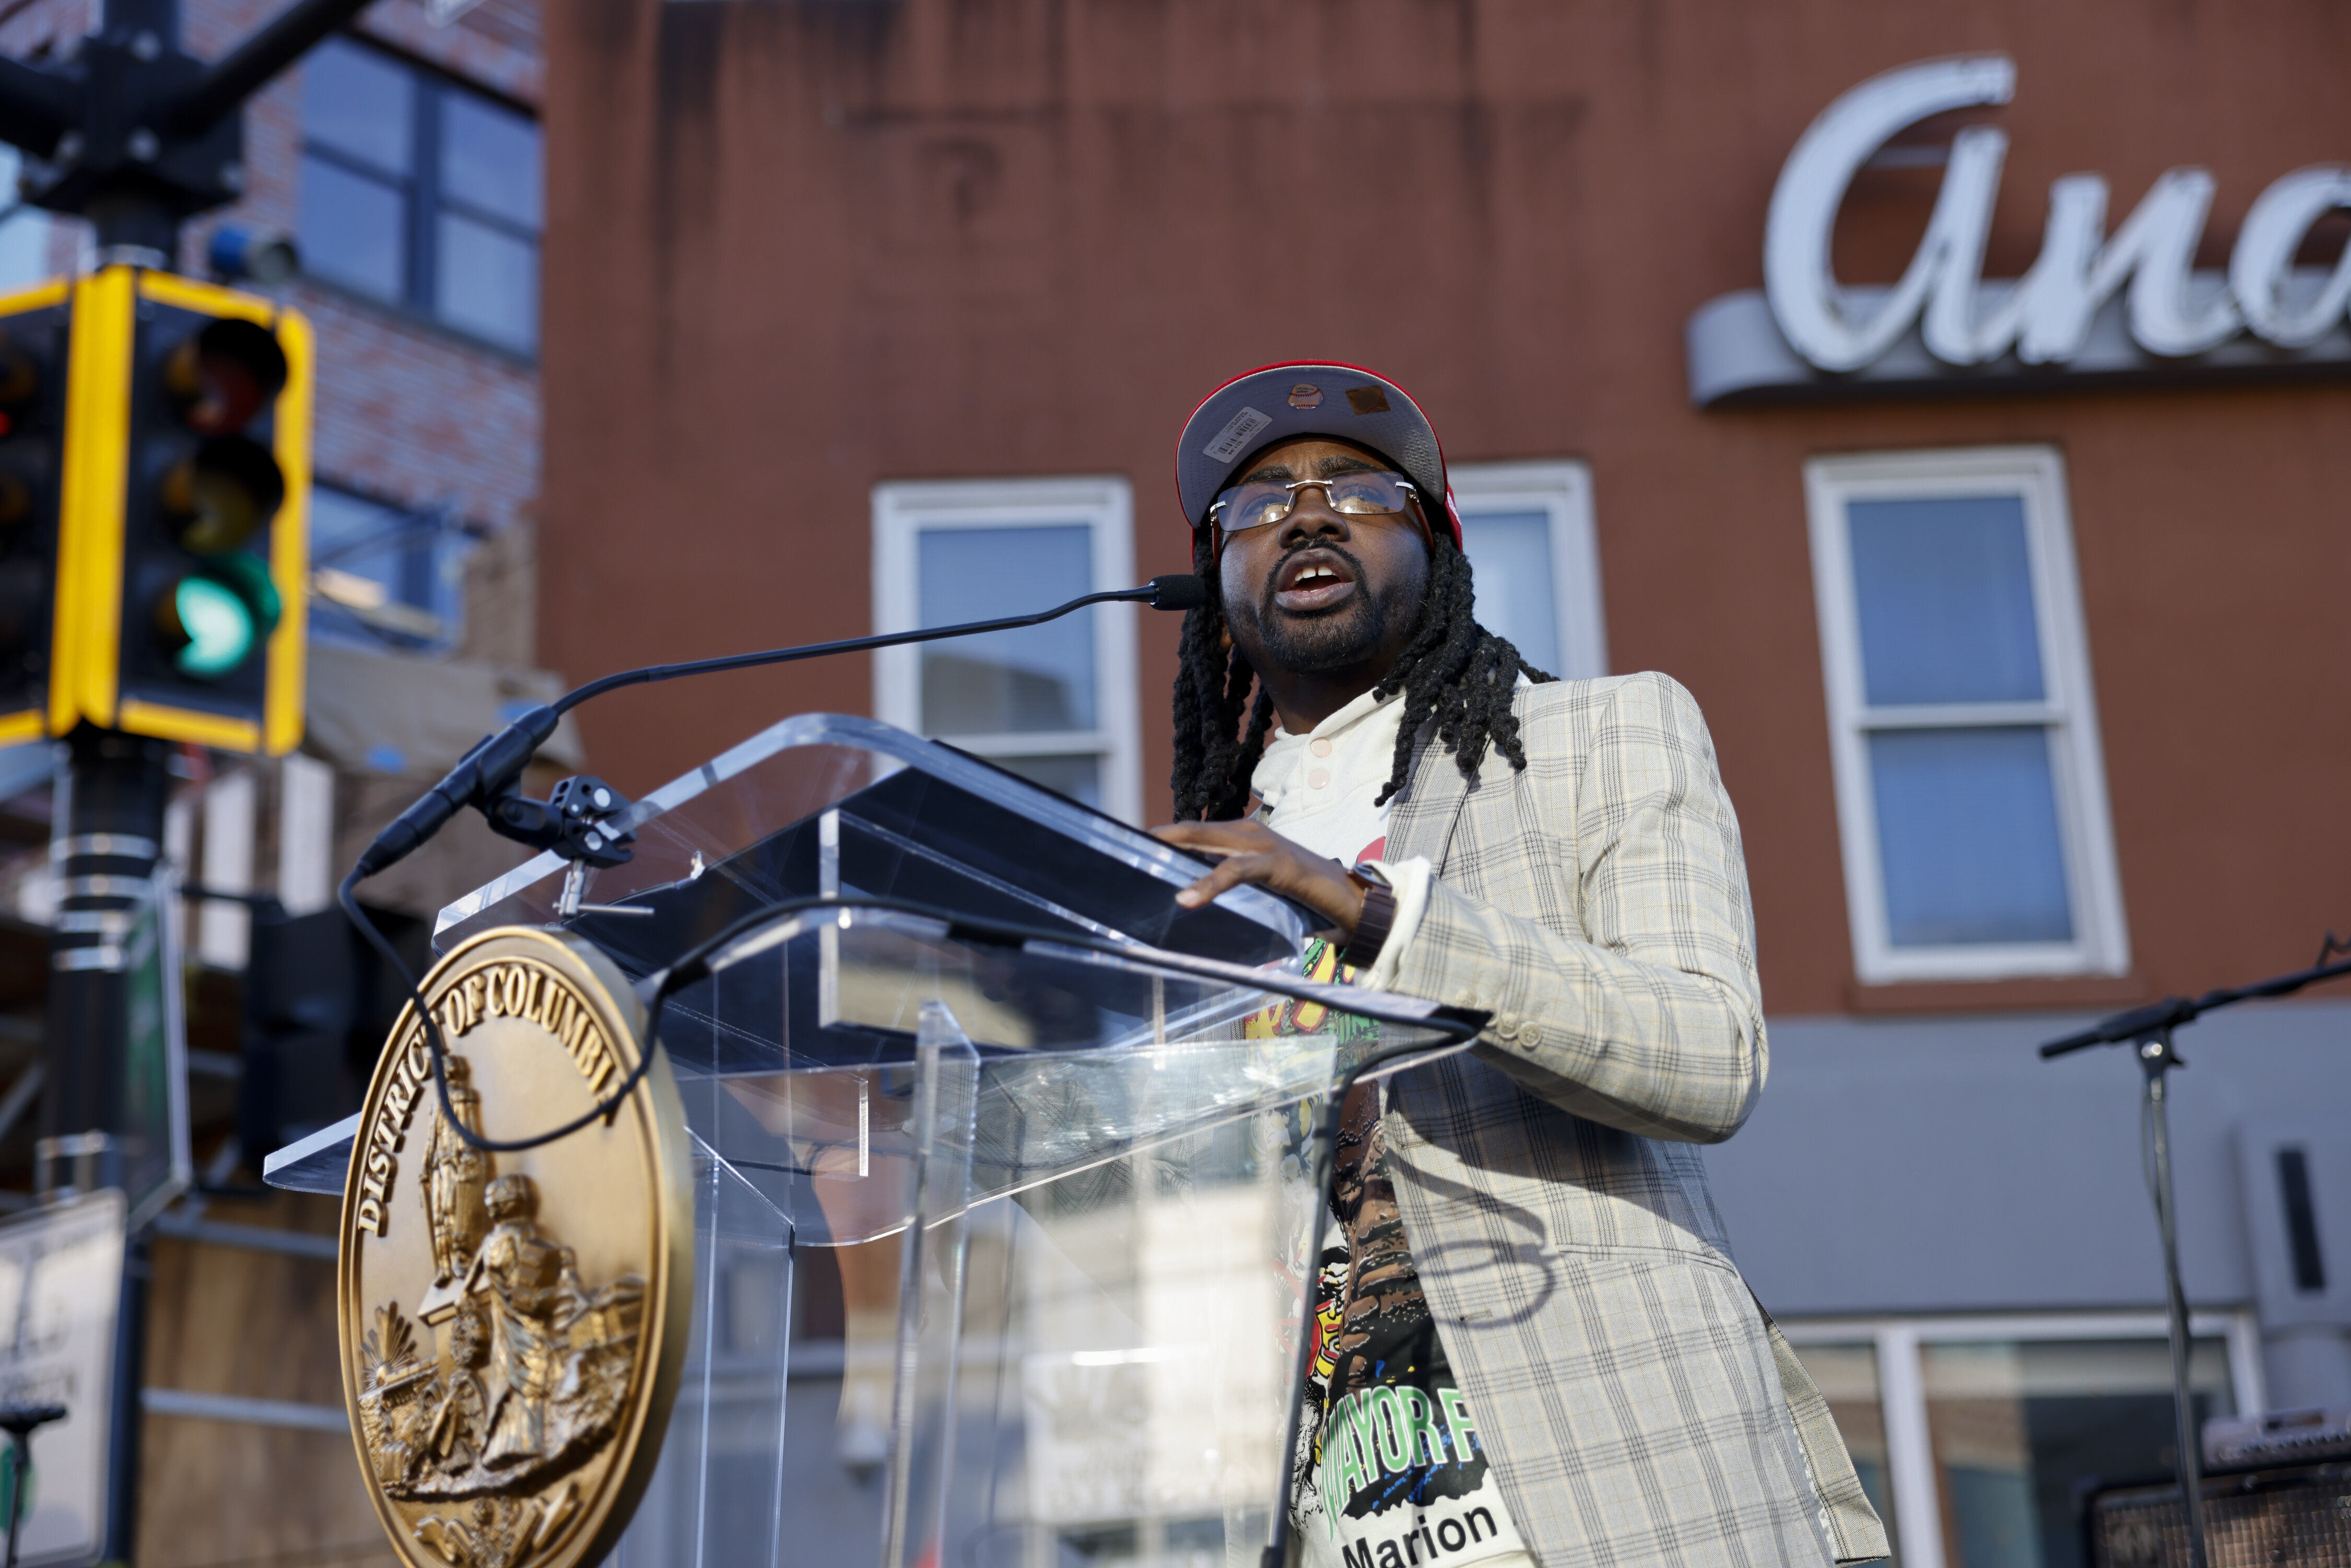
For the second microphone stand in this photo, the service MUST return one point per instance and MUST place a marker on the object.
(2148, 1031)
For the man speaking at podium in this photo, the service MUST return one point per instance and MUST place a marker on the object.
(1539, 1349)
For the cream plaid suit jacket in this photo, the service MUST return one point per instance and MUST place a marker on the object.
(1636, 1399)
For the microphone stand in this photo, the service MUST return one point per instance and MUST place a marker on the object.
(2148, 1031)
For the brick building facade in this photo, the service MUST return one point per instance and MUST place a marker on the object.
(894, 280)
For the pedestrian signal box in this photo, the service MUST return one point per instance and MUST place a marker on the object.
(34, 332)
(184, 517)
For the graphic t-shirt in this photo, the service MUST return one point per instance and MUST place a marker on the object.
(1391, 1470)
(1397, 1472)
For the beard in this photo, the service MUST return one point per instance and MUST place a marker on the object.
(1333, 639)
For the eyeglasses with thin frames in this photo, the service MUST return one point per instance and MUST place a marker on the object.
(1370, 493)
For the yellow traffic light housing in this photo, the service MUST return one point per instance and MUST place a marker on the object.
(185, 514)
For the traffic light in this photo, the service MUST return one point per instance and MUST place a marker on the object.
(33, 327)
(185, 514)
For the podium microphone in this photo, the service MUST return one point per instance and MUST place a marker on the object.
(490, 767)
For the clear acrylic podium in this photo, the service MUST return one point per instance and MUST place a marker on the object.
(1100, 1157)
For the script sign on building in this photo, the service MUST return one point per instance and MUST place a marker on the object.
(2096, 308)
(513, 1324)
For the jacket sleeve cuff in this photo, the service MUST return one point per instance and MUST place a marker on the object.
(1409, 881)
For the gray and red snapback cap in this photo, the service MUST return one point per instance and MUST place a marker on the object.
(1308, 397)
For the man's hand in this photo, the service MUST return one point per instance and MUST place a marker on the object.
(1247, 852)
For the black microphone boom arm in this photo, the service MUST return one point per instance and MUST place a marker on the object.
(2156, 1018)
(490, 769)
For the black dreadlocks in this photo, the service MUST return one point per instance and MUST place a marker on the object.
(1454, 672)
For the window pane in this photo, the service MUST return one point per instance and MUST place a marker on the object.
(1847, 1377)
(24, 237)
(352, 535)
(1967, 836)
(489, 283)
(1510, 560)
(359, 103)
(2017, 1425)
(1078, 777)
(354, 230)
(409, 569)
(1037, 678)
(489, 157)
(1946, 600)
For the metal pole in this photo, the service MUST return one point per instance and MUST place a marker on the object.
(113, 834)
(160, 17)
(20, 1421)
(247, 68)
(2155, 1059)
(132, 222)
(113, 838)
(20, 1461)
(126, 1436)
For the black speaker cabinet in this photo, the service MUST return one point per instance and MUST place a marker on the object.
(2252, 1519)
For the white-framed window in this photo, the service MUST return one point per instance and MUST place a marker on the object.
(1971, 796)
(1971, 1434)
(1527, 530)
(1056, 702)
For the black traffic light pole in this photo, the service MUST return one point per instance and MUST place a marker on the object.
(113, 834)
(136, 136)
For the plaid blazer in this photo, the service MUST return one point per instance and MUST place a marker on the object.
(1638, 1402)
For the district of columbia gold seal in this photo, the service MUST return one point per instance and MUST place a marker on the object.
(513, 1324)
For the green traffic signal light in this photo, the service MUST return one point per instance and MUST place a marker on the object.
(213, 620)
(212, 627)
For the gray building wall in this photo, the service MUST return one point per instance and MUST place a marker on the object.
(1940, 1166)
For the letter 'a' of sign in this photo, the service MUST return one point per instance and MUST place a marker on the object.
(512, 1326)
(2095, 308)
